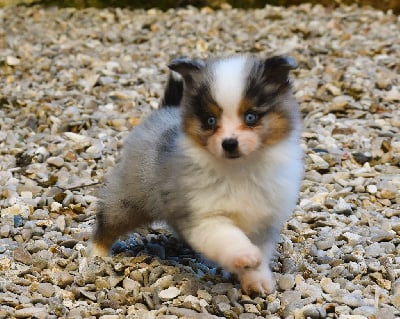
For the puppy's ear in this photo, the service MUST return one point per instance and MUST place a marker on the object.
(187, 68)
(276, 68)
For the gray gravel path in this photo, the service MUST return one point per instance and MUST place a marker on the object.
(72, 83)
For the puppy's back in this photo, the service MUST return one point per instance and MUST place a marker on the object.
(134, 183)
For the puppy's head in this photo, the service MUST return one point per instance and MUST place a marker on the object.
(236, 106)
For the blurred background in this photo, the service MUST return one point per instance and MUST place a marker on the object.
(165, 4)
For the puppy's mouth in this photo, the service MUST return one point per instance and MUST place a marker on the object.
(233, 155)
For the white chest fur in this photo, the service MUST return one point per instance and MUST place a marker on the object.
(251, 193)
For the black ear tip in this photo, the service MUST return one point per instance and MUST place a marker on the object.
(183, 63)
(290, 62)
(279, 61)
(178, 61)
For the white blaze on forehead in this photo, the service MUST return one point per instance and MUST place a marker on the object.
(229, 82)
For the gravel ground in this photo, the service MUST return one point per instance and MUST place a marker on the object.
(72, 83)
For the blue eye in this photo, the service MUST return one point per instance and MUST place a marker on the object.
(211, 121)
(250, 118)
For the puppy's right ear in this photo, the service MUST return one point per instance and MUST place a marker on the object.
(187, 68)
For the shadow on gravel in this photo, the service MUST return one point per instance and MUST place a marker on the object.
(170, 251)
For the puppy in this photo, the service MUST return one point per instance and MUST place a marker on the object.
(220, 162)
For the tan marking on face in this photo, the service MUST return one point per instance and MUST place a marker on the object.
(274, 128)
(243, 127)
(244, 106)
(214, 144)
(249, 141)
(192, 127)
(215, 110)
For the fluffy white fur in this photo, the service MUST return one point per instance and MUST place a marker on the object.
(232, 205)
(229, 79)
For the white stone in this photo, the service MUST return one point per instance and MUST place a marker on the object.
(12, 60)
(286, 282)
(250, 308)
(17, 209)
(29, 312)
(319, 161)
(77, 138)
(319, 198)
(342, 206)
(329, 286)
(95, 148)
(55, 161)
(352, 238)
(55, 206)
(163, 282)
(393, 95)
(131, 285)
(26, 195)
(372, 189)
(169, 293)
(60, 222)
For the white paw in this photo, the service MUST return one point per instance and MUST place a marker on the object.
(257, 280)
(248, 257)
(94, 250)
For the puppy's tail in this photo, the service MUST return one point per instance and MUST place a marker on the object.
(173, 91)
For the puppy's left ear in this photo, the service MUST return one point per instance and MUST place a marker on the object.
(187, 68)
(277, 68)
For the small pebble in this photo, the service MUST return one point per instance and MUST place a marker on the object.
(342, 207)
(23, 256)
(63, 278)
(130, 285)
(5, 230)
(313, 312)
(374, 250)
(55, 161)
(60, 222)
(328, 286)
(169, 293)
(381, 235)
(286, 282)
(37, 312)
(12, 60)
(372, 189)
(46, 289)
(18, 221)
(250, 308)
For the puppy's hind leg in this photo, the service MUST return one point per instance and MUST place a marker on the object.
(111, 223)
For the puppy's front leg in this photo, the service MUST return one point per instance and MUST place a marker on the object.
(261, 279)
(220, 240)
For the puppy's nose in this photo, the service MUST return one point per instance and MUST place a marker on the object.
(230, 145)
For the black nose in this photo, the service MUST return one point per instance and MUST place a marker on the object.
(230, 144)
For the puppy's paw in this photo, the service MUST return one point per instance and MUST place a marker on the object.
(94, 249)
(258, 281)
(245, 258)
